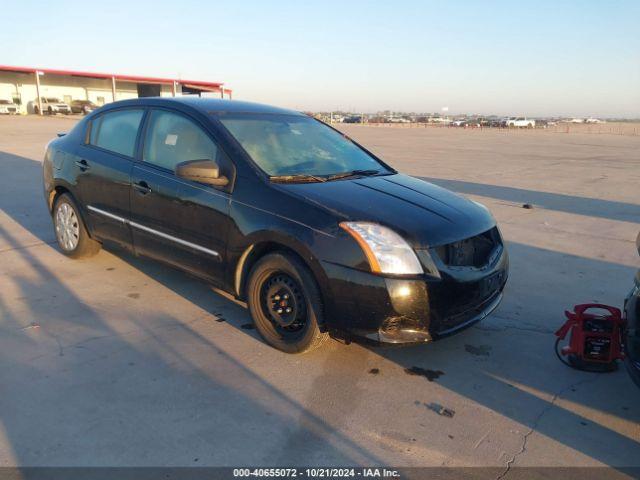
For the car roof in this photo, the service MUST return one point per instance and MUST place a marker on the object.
(206, 105)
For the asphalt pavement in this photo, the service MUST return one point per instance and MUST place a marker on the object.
(117, 360)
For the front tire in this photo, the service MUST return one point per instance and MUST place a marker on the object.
(285, 303)
(71, 233)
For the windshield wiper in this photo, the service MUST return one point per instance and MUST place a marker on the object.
(296, 178)
(354, 173)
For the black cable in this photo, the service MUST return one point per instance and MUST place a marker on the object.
(561, 358)
(585, 366)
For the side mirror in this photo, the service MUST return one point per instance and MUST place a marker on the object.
(202, 171)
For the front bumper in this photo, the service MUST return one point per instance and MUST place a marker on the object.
(413, 310)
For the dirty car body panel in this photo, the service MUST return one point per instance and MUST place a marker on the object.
(218, 233)
(632, 331)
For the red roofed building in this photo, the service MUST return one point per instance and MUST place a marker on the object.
(26, 86)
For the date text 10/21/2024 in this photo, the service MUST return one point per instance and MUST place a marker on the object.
(316, 473)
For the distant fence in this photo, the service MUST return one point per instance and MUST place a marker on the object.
(609, 128)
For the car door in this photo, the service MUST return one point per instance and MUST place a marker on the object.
(104, 164)
(173, 219)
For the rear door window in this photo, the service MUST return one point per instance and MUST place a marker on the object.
(117, 131)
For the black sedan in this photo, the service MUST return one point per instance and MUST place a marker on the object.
(317, 234)
(632, 332)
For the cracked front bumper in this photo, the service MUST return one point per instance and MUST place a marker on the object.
(415, 310)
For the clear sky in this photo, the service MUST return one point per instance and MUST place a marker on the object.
(536, 58)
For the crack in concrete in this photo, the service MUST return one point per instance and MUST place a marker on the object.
(543, 412)
(24, 247)
(502, 328)
(149, 332)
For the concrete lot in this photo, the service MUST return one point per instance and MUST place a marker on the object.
(118, 360)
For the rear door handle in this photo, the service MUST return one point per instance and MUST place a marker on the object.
(83, 165)
(142, 187)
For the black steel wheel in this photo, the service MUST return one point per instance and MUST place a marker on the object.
(285, 304)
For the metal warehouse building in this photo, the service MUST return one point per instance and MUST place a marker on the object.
(26, 86)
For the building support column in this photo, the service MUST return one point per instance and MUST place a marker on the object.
(37, 74)
(173, 88)
(113, 88)
(221, 92)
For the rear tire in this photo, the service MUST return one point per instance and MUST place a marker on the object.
(71, 233)
(285, 303)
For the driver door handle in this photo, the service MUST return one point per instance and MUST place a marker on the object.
(142, 187)
(83, 165)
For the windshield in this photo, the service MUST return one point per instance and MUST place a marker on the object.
(4, 102)
(51, 100)
(293, 145)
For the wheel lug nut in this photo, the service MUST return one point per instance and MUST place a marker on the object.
(277, 297)
(279, 310)
(285, 296)
(288, 309)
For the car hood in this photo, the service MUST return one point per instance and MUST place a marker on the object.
(423, 213)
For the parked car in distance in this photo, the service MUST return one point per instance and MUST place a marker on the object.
(521, 122)
(473, 123)
(83, 106)
(7, 107)
(353, 119)
(318, 235)
(51, 105)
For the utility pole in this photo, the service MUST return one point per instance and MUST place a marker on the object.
(37, 74)
(113, 88)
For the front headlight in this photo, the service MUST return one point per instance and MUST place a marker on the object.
(386, 251)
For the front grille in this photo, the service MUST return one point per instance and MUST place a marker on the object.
(470, 252)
